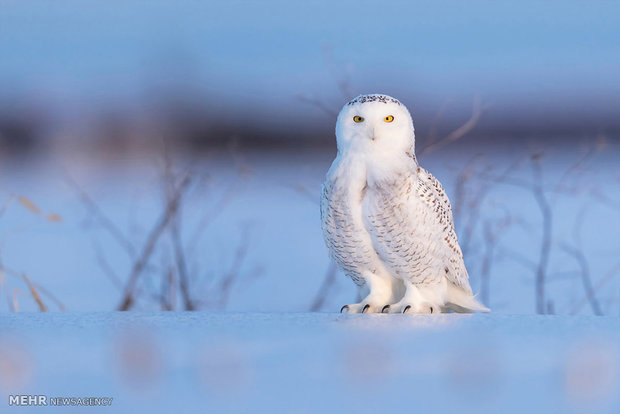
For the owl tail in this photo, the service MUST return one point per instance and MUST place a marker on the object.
(463, 302)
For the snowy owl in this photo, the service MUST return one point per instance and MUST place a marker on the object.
(386, 221)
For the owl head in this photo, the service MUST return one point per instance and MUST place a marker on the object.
(375, 124)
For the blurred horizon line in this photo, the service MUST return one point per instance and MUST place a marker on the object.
(193, 123)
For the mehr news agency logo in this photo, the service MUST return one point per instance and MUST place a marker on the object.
(44, 400)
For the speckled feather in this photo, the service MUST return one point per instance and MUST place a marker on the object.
(413, 232)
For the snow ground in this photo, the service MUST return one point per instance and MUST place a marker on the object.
(313, 362)
(296, 362)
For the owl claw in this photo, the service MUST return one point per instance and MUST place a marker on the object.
(406, 308)
(386, 309)
(363, 307)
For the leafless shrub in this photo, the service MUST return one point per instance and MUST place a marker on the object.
(582, 261)
(434, 144)
(492, 232)
(35, 294)
(342, 83)
(322, 293)
(570, 184)
(33, 288)
(167, 216)
(165, 241)
(332, 113)
(602, 282)
(233, 273)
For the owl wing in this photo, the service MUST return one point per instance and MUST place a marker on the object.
(457, 273)
(413, 232)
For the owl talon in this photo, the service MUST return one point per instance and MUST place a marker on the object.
(365, 308)
(343, 308)
(386, 309)
(406, 308)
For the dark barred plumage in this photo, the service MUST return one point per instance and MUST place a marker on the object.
(373, 98)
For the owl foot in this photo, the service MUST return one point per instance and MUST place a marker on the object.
(411, 308)
(361, 308)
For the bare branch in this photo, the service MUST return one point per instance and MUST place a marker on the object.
(17, 275)
(458, 133)
(432, 134)
(475, 202)
(463, 177)
(235, 269)
(50, 296)
(605, 199)
(175, 233)
(474, 215)
(491, 234)
(35, 294)
(100, 216)
(211, 215)
(5, 287)
(545, 245)
(320, 105)
(181, 263)
(519, 258)
(601, 283)
(577, 253)
(15, 301)
(577, 166)
(326, 286)
(168, 291)
(105, 266)
(342, 83)
(536, 189)
(168, 214)
(5, 205)
(304, 191)
(580, 258)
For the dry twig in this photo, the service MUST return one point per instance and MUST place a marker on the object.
(100, 216)
(545, 247)
(326, 286)
(320, 105)
(4, 271)
(601, 283)
(168, 214)
(581, 260)
(576, 252)
(235, 270)
(5, 205)
(35, 294)
(491, 235)
(458, 133)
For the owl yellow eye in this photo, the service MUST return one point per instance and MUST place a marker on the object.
(358, 118)
(388, 118)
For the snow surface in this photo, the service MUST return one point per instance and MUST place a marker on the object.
(313, 362)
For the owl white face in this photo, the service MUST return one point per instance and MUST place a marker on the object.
(371, 124)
